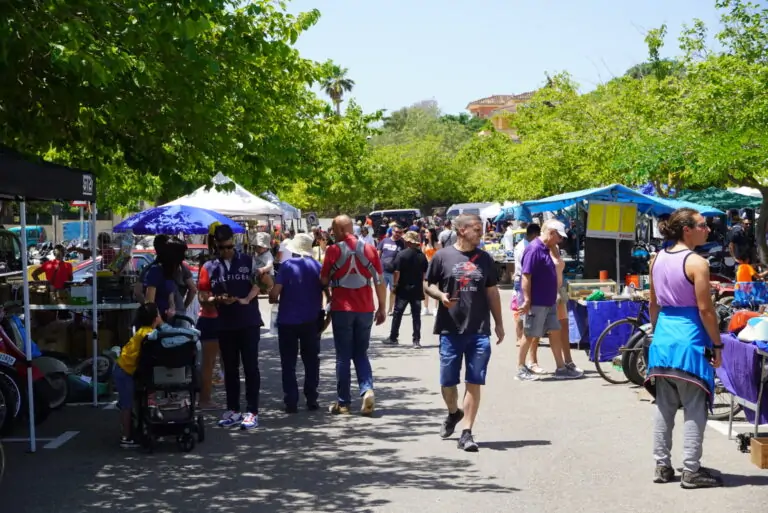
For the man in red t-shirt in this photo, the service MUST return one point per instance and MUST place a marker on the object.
(352, 315)
(57, 271)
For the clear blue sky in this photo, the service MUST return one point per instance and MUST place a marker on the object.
(455, 51)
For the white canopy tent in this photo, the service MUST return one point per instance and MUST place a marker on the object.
(746, 191)
(237, 204)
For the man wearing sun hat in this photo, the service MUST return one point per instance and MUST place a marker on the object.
(299, 293)
(410, 267)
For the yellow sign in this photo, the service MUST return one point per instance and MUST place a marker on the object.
(608, 220)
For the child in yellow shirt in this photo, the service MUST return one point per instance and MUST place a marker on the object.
(147, 319)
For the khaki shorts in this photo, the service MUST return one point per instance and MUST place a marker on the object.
(540, 320)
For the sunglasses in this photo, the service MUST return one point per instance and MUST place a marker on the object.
(228, 246)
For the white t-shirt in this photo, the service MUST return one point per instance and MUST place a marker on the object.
(519, 250)
(368, 239)
(284, 254)
(508, 241)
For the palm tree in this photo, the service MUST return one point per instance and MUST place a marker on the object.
(337, 84)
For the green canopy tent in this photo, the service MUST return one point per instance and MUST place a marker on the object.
(720, 199)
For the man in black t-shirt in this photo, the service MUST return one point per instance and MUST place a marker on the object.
(738, 241)
(410, 267)
(462, 278)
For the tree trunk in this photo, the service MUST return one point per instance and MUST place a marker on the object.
(338, 107)
(762, 222)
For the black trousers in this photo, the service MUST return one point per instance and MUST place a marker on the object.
(397, 317)
(235, 345)
(303, 339)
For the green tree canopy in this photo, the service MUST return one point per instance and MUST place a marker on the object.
(156, 97)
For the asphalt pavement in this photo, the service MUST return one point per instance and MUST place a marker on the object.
(549, 446)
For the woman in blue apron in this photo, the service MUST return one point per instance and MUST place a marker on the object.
(686, 347)
(234, 281)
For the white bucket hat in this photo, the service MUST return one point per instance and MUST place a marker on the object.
(301, 244)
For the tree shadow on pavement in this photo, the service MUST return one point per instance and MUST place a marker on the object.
(310, 461)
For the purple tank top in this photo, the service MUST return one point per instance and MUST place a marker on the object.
(671, 284)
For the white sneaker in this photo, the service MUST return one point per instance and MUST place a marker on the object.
(536, 369)
(250, 421)
(572, 366)
(231, 418)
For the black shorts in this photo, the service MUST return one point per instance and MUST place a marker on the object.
(209, 328)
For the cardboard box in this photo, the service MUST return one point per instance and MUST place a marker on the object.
(758, 449)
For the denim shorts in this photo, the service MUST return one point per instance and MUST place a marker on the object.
(389, 279)
(124, 386)
(454, 348)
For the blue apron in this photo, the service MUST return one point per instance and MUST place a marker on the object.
(236, 282)
(680, 349)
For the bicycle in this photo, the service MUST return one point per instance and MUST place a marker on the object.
(631, 359)
(632, 329)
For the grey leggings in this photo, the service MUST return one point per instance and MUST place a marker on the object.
(670, 395)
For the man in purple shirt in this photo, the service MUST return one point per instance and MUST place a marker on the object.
(539, 308)
(299, 293)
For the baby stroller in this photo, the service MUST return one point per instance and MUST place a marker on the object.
(169, 369)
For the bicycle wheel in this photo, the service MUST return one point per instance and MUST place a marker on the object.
(609, 348)
(721, 403)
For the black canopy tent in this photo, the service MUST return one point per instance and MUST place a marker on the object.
(24, 178)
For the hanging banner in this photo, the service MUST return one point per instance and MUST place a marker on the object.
(609, 220)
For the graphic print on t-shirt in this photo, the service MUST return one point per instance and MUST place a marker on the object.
(468, 276)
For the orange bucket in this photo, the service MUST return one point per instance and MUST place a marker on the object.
(603, 275)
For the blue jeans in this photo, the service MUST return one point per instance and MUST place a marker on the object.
(295, 339)
(454, 348)
(351, 336)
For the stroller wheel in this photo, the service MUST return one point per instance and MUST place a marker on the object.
(185, 442)
(200, 429)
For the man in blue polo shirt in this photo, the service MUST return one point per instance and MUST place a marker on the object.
(539, 308)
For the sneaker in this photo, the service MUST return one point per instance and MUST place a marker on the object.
(292, 409)
(127, 443)
(525, 374)
(368, 402)
(466, 442)
(338, 409)
(566, 373)
(250, 421)
(450, 422)
(663, 474)
(572, 366)
(703, 478)
(231, 418)
(313, 406)
(389, 342)
(416, 344)
(536, 369)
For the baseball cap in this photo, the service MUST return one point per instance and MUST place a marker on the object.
(556, 225)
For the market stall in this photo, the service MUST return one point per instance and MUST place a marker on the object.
(610, 230)
(24, 178)
(237, 203)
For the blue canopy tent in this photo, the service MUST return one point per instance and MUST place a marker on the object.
(650, 205)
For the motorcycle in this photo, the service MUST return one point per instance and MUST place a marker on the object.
(13, 384)
(55, 370)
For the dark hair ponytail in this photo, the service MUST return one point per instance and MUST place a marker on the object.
(672, 227)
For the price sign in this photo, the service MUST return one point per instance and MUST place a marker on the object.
(610, 220)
